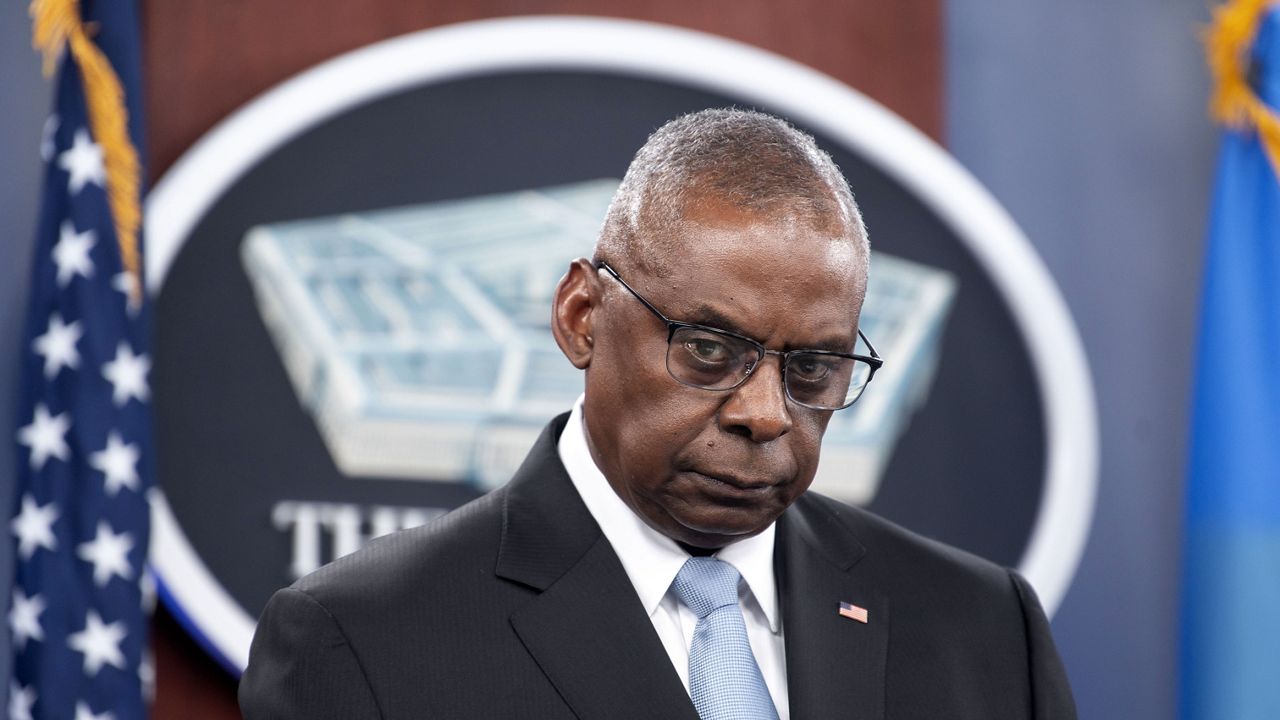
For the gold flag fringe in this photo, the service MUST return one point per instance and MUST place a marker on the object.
(56, 25)
(1234, 103)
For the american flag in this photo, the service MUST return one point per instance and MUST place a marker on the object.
(853, 612)
(80, 522)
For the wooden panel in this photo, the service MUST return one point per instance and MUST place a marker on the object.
(189, 684)
(205, 59)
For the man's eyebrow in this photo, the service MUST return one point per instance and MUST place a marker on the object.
(709, 316)
(837, 345)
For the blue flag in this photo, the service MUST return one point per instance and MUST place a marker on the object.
(1231, 596)
(84, 428)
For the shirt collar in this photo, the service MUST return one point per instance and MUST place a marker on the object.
(651, 559)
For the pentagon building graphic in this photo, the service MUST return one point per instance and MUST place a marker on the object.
(419, 338)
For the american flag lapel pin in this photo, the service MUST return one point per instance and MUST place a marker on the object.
(853, 612)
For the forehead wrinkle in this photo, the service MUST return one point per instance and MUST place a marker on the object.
(712, 239)
(704, 314)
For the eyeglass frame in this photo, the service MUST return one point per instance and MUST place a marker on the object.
(873, 360)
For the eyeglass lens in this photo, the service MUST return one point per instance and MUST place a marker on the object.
(707, 359)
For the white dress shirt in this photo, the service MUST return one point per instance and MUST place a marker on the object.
(652, 560)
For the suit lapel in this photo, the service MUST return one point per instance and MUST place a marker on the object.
(835, 665)
(592, 638)
(586, 629)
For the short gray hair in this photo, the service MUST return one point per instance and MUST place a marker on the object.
(749, 159)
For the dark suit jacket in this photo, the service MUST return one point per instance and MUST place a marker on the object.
(516, 606)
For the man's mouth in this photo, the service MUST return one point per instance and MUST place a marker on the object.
(734, 483)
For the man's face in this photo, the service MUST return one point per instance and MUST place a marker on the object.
(706, 468)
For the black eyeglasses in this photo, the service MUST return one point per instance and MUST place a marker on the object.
(713, 359)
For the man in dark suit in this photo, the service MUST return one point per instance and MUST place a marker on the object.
(657, 556)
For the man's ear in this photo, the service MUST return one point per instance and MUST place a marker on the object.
(573, 311)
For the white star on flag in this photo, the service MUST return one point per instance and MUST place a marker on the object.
(24, 618)
(20, 701)
(147, 588)
(58, 345)
(34, 527)
(48, 136)
(128, 375)
(83, 161)
(46, 436)
(147, 675)
(71, 254)
(99, 643)
(126, 283)
(118, 462)
(109, 554)
(83, 712)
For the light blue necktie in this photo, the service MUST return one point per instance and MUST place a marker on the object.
(724, 679)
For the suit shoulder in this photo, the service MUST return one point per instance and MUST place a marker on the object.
(456, 543)
(965, 629)
(913, 557)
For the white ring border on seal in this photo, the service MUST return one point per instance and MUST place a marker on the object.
(219, 158)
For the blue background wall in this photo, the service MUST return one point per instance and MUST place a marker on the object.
(1087, 122)
(24, 104)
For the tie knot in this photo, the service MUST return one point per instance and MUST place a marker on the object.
(706, 584)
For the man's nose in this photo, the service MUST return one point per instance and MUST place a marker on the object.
(757, 408)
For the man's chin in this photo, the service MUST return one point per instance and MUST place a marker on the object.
(713, 533)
